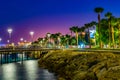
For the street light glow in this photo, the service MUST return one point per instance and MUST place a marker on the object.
(31, 33)
(8, 41)
(21, 39)
(0, 39)
(10, 30)
(48, 34)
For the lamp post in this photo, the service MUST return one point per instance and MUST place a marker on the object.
(0, 39)
(49, 41)
(31, 34)
(43, 42)
(10, 32)
(21, 39)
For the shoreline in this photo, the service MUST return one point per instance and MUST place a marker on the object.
(75, 65)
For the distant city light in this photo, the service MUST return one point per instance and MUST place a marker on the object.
(48, 34)
(82, 45)
(10, 30)
(0, 39)
(21, 39)
(92, 33)
(8, 41)
(31, 33)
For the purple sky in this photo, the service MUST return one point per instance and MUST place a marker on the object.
(42, 16)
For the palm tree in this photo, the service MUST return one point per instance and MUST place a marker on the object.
(63, 40)
(76, 30)
(58, 38)
(93, 24)
(87, 26)
(40, 41)
(108, 15)
(118, 20)
(45, 41)
(81, 30)
(71, 30)
(53, 37)
(104, 31)
(72, 41)
(113, 23)
(67, 39)
(99, 10)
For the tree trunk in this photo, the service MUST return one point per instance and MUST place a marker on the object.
(119, 35)
(109, 26)
(71, 33)
(95, 41)
(112, 31)
(100, 43)
(81, 36)
(77, 37)
(89, 38)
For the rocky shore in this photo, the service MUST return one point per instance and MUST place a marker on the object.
(76, 65)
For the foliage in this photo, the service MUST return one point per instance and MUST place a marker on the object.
(107, 34)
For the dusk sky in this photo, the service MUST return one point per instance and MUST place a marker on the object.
(42, 16)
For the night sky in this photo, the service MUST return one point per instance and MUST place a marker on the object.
(42, 16)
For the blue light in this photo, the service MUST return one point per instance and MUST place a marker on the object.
(92, 33)
(82, 45)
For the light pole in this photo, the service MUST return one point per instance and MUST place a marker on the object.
(31, 34)
(10, 32)
(49, 41)
(0, 39)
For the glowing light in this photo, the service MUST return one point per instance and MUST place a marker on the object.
(48, 34)
(10, 30)
(31, 33)
(92, 32)
(82, 45)
(21, 39)
(0, 39)
(8, 41)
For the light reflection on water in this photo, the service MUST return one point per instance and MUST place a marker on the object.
(9, 71)
(28, 70)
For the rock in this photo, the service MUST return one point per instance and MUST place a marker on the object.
(74, 65)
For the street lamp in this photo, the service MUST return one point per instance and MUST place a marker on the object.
(0, 39)
(8, 41)
(49, 41)
(21, 39)
(10, 32)
(48, 35)
(31, 34)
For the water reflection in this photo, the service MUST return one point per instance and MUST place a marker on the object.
(9, 71)
(28, 70)
(31, 70)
